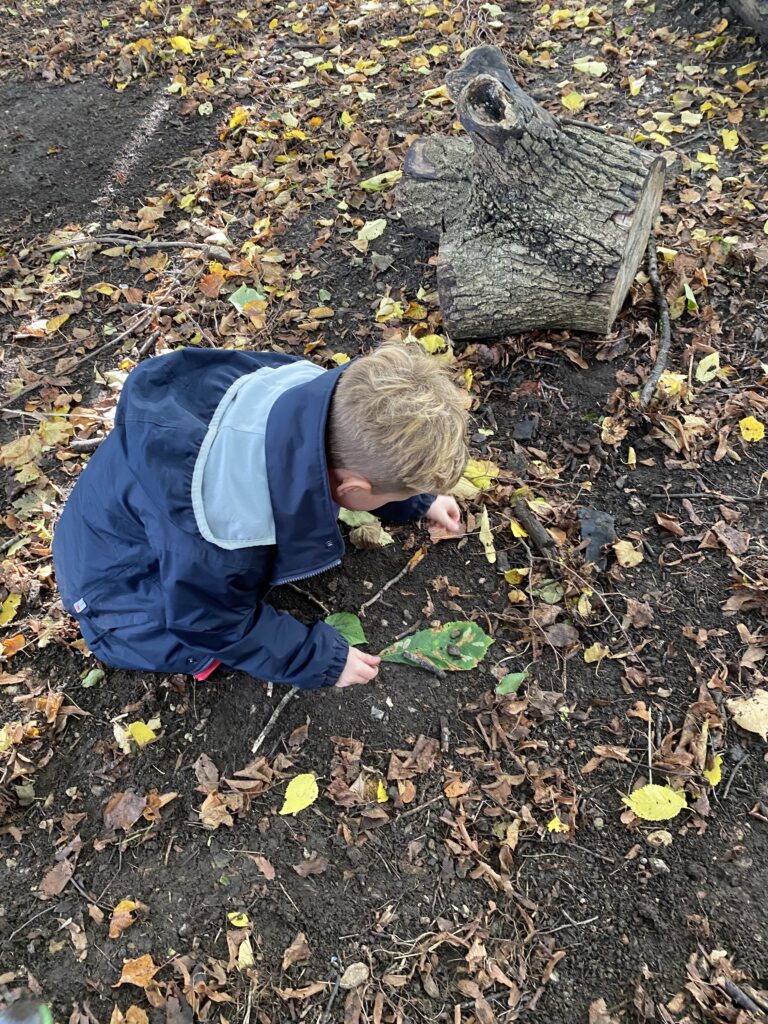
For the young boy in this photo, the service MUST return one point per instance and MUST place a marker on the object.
(223, 477)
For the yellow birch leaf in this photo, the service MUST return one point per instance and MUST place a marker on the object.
(632, 458)
(708, 368)
(656, 803)
(340, 358)
(627, 554)
(635, 85)
(595, 653)
(573, 101)
(468, 378)
(432, 343)
(516, 576)
(141, 734)
(518, 530)
(746, 69)
(55, 322)
(730, 138)
(555, 825)
(752, 429)
(486, 537)
(481, 473)
(181, 43)
(596, 68)
(301, 793)
(245, 957)
(381, 793)
(9, 608)
(238, 919)
(714, 774)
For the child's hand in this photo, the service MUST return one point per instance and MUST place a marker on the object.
(445, 514)
(360, 668)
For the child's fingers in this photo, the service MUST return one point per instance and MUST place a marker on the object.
(370, 659)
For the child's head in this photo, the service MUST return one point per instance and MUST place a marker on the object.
(397, 427)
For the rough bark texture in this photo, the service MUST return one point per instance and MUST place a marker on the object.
(754, 13)
(541, 224)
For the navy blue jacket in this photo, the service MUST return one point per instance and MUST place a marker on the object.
(132, 565)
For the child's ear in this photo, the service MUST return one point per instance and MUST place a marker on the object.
(348, 483)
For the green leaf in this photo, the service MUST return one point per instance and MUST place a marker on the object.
(93, 677)
(690, 298)
(59, 255)
(243, 296)
(381, 181)
(511, 682)
(550, 592)
(356, 518)
(366, 530)
(468, 645)
(349, 626)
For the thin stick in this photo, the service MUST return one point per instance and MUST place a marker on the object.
(740, 998)
(736, 768)
(29, 921)
(272, 720)
(665, 329)
(310, 597)
(650, 752)
(385, 588)
(144, 317)
(137, 243)
(334, 991)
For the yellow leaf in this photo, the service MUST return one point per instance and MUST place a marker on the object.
(486, 537)
(555, 825)
(596, 68)
(468, 378)
(239, 116)
(138, 972)
(573, 101)
(481, 473)
(595, 653)
(751, 713)
(714, 774)
(518, 530)
(656, 803)
(746, 69)
(52, 325)
(9, 608)
(627, 554)
(691, 118)
(245, 957)
(141, 734)
(517, 597)
(432, 343)
(381, 793)
(372, 229)
(632, 458)
(340, 358)
(301, 792)
(752, 429)
(181, 43)
(635, 85)
(730, 138)
(708, 368)
(238, 919)
(516, 576)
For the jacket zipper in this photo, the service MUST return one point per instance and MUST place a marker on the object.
(306, 575)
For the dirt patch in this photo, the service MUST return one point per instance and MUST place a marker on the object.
(60, 146)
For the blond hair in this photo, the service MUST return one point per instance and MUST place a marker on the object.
(398, 420)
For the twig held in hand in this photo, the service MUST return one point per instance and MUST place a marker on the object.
(665, 329)
(258, 742)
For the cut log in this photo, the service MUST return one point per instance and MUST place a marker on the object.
(541, 223)
(754, 13)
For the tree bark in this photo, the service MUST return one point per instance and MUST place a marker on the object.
(754, 13)
(541, 223)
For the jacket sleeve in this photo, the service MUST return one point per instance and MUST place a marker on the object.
(216, 611)
(407, 511)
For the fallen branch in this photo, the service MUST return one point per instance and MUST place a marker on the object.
(664, 328)
(411, 564)
(85, 444)
(257, 743)
(740, 998)
(216, 251)
(310, 597)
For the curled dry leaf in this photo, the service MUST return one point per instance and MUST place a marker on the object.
(123, 916)
(297, 953)
(562, 634)
(138, 972)
(315, 864)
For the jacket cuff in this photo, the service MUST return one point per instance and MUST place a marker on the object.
(407, 511)
(339, 649)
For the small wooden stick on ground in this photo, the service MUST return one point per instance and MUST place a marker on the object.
(257, 743)
(665, 329)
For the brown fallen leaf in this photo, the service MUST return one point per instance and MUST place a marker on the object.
(639, 614)
(123, 810)
(264, 866)
(123, 916)
(315, 864)
(669, 523)
(138, 972)
(297, 953)
(207, 774)
(598, 1013)
(751, 713)
(562, 634)
(301, 993)
(734, 541)
(56, 880)
(214, 812)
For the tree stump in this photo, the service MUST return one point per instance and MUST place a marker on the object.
(541, 223)
(754, 13)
